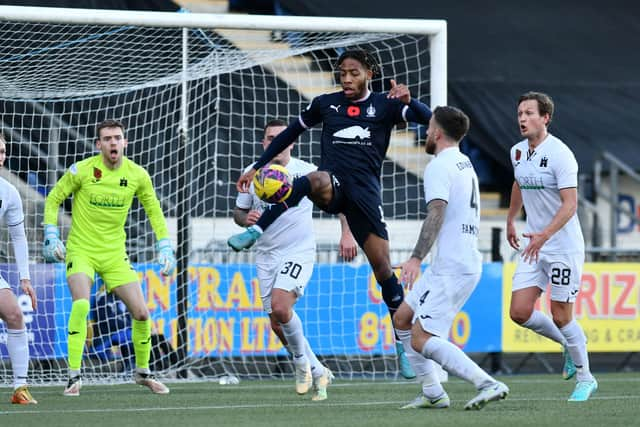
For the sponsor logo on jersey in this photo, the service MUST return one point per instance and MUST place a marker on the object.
(371, 111)
(107, 200)
(353, 111)
(530, 183)
(353, 135)
(335, 107)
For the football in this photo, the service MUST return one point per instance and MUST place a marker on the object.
(272, 184)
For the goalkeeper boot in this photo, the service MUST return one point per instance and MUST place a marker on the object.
(569, 368)
(150, 381)
(73, 386)
(244, 240)
(303, 378)
(21, 396)
(423, 401)
(403, 363)
(495, 391)
(320, 385)
(584, 390)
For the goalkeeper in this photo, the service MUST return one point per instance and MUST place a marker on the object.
(103, 187)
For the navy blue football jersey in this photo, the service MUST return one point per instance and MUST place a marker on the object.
(355, 136)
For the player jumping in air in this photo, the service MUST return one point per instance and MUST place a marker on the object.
(357, 125)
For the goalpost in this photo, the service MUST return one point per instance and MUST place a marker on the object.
(195, 91)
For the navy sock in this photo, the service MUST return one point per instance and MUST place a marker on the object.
(392, 293)
(301, 188)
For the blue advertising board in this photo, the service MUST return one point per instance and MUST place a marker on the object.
(342, 311)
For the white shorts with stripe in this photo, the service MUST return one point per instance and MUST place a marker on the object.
(290, 273)
(562, 271)
(436, 299)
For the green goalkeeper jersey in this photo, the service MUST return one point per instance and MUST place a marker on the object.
(102, 198)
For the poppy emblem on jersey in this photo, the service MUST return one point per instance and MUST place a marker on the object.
(353, 111)
(97, 173)
(518, 155)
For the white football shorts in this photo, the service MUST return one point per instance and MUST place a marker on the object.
(562, 271)
(290, 275)
(436, 299)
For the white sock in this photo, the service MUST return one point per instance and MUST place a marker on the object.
(292, 331)
(423, 367)
(18, 347)
(317, 368)
(453, 360)
(542, 324)
(577, 348)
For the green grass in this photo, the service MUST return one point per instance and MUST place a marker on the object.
(539, 400)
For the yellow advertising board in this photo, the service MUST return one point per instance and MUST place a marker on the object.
(606, 308)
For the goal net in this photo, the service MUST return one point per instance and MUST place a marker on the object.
(195, 92)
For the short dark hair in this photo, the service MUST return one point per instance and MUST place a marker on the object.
(274, 122)
(453, 121)
(545, 103)
(363, 57)
(109, 123)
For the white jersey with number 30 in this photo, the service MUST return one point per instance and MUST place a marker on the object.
(450, 176)
(292, 233)
(541, 174)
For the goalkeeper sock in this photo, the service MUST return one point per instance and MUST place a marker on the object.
(301, 188)
(141, 337)
(18, 347)
(77, 332)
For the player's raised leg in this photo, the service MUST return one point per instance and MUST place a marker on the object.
(131, 295)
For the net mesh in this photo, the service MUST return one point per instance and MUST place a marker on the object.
(58, 81)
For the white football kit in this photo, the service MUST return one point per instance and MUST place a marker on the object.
(12, 215)
(541, 174)
(285, 253)
(446, 285)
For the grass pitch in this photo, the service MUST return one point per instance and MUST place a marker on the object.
(535, 400)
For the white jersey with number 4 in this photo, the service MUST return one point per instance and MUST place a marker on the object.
(541, 174)
(450, 176)
(292, 233)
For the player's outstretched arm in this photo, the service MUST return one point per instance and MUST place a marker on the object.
(279, 143)
(417, 112)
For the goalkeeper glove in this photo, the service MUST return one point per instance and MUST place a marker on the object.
(52, 248)
(166, 257)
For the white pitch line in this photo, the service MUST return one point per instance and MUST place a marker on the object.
(272, 405)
